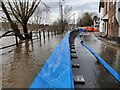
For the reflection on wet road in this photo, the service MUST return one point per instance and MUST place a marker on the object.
(95, 74)
(110, 54)
(21, 65)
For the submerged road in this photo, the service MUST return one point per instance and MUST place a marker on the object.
(94, 73)
(21, 65)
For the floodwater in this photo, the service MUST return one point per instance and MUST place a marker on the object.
(94, 73)
(21, 65)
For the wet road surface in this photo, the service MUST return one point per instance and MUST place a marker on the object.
(21, 65)
(95, 75)
(111, 54)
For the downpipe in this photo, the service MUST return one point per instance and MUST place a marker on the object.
(106, 33)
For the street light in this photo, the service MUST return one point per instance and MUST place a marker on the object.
(61, 15)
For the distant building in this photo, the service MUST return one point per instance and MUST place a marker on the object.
(110, 18)
(96, 22)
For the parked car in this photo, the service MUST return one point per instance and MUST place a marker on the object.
(91, 29)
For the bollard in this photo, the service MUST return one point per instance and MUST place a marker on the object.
(16, 39)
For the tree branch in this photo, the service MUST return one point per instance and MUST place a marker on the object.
(5, 11)
(13, 11)
(26, 12)
(21, 6)
(32, 10)
(17, 9)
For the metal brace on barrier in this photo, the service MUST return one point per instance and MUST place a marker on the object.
(78, 79)
(76, 65)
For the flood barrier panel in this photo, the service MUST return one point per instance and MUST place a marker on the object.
(57, 71)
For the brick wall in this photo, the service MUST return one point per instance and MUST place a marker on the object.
(113, 24)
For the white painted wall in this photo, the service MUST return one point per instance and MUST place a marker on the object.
(101, 27)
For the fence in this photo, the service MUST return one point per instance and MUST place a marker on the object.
(38, 35)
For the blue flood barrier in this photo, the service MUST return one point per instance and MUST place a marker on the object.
(81, 30)
(110, 69)
(57, 71)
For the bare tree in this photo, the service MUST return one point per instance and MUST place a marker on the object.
(67, 13)
(22, 10)
(41, 12)
(13, 25)
(67, 16)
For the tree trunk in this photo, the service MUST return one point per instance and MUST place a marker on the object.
(27, 36)
(16, 30)
(12, 24)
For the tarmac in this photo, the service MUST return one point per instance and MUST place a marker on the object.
(94, 73)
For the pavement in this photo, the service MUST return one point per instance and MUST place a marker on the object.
(113, 43)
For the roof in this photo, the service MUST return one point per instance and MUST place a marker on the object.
(105, 17)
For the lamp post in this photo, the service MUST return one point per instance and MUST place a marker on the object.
(74, 21)
(61, 16)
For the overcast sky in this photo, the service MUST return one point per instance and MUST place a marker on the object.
(78, 6)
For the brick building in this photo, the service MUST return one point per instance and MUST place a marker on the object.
(110, 19)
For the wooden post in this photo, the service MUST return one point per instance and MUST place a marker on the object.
(48, 33)
(44, 36)
(43, 33)
(40, 35)
(16, 39)
(55, 32)
(31, 37)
